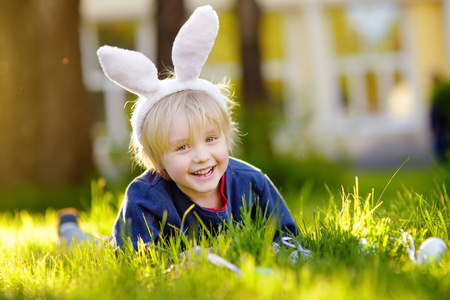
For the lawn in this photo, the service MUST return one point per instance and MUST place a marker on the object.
(354, 234)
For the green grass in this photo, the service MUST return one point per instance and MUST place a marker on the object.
(332, 223)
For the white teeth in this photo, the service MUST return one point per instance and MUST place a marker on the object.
(203, 172)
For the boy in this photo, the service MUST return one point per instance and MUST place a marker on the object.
(182, 134)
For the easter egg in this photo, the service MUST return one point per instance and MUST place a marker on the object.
(431, 250)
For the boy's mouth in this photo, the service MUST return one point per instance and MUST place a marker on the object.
(204, 172)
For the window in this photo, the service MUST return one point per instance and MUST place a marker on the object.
(368, 55)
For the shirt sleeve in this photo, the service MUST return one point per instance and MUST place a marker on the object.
(144, 209)
(135, 223)
(272, 203)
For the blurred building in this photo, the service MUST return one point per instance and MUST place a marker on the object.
(354, 77)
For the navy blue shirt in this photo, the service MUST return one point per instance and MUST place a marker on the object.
(151, 200)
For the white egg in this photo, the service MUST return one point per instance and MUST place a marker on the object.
(431, 250)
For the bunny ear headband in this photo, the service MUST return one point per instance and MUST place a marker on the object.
(136, 73)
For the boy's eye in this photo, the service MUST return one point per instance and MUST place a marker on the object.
(210, 139)
(181, 148)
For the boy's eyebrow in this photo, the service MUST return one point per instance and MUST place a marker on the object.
(178, 142)
(212, 131)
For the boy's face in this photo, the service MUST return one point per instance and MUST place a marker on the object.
(196, 162)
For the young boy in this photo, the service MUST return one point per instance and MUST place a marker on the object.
(182, 134)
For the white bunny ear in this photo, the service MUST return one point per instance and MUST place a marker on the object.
(130, 69)
(194, 43)
(136, 73)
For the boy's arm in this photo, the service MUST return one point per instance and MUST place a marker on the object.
(135, 223)
(147, 204)
(275, 203)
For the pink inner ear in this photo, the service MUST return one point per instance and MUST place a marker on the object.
(131, 70)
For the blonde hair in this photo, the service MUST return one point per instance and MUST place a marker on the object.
(198, 107)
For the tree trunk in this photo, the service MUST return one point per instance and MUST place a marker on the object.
(257, 114)
(252, 81)
(44, 114)
(170, 18)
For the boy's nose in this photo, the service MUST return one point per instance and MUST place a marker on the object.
(201, 154)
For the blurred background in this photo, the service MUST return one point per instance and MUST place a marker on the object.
(326, 89)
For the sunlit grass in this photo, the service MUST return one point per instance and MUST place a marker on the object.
(342, 266)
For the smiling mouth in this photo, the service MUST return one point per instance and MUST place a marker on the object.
(204, 172)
